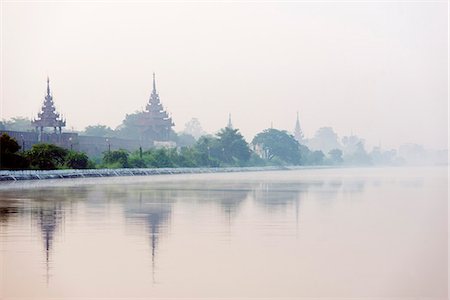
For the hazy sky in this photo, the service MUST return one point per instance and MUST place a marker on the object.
(378, 70)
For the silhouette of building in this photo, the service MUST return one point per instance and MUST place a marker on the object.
(149, 128)
(48, 117)
(298, 133)
(154, 123)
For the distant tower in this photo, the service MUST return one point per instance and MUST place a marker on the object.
(155, 123)
(48, 117)
(298, 134)
(229, 125)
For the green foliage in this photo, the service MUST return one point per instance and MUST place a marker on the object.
(185, 140)
(278, 144)
(354, 151)
(335, 157)
(311, 158)
(189, 158)
(116, 159)
(256, 161)
(17, 124)
(316, 158)
(234, 149)
(46, 156)
(305, 155)
(136, 162)
(163, 158)
(9, 158)
(8, 144)
(325, 139)
(77, 160)
(98, 130)
(194, 128)
(40, 156)
(208, 151)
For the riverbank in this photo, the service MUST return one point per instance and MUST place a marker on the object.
(90, 173)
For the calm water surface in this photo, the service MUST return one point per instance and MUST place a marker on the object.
(308, 233)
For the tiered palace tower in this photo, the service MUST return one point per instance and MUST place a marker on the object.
(48, 117)
(155, 123)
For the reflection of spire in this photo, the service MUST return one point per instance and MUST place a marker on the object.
(296, 216)
(48, 220)
(154, 212)
(154, 240)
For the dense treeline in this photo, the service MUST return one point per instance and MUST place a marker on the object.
(40, 157)
(227, 148)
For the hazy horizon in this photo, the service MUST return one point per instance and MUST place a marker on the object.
(377, 70)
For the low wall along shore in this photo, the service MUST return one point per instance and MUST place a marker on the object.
(61, 174)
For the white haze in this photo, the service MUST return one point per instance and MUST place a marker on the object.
(378, 70)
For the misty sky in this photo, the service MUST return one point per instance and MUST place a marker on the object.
(378, 70)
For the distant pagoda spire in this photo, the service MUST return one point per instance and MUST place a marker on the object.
(298, 133)
(230, 124)
(48, 86)
(154, 104)
(155, 122)
(48, 117)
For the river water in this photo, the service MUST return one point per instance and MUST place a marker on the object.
(374, 232)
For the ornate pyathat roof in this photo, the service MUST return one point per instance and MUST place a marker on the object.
(155, 110)
(48, 117)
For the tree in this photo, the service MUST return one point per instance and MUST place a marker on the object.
(46, 156)
(136, 159)
(9, 158)
(189, 157)
(194, 128)
(163, 158)
(77, 160)
(185, 140)
(325, 139)
(234, 148)
(8, 144)
(335, 156)
(278, 144)
(18, 124)
(98, 130)
(208, 151)
(305, 155)
(316, 157)
(354, 151)
(116, 158)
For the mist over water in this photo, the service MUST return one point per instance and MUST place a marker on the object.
(379, 232)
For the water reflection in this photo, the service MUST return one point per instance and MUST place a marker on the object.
(152, 209)
(258, 215)
(150, 206)
(7, 213)
(48, 215)
(278, 196)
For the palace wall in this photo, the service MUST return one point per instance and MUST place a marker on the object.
(93, 146)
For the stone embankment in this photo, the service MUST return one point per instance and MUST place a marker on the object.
(62, 174)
